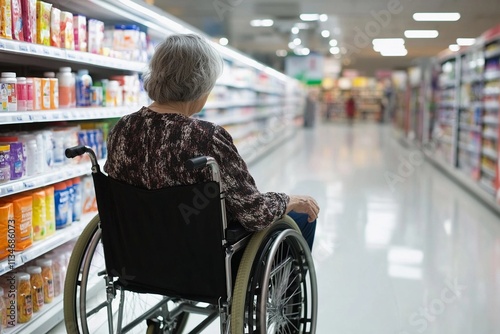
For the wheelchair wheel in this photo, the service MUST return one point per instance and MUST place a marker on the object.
(86, 298)
(275, 289)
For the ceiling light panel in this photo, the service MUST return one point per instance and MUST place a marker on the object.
(421, 33)
(436, 17)
(466, 41)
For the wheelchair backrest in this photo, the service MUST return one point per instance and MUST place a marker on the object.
(166, 241)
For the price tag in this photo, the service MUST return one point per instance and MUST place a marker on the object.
(57, 53)
(44, 117)
(71, 55)
(23, 47)
(9, 189)
(33, 49)
(2, 44)
(46, 51)
(28, 185)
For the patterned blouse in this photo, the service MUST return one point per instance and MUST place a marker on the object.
(148, 149)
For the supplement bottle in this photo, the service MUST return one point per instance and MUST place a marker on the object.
(66, 87)
(8, 91)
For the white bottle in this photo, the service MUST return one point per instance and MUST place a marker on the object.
(66, 87)
(9, 91)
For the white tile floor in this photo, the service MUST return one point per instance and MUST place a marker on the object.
(420, 256)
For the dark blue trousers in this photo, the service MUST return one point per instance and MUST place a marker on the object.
(308, 229)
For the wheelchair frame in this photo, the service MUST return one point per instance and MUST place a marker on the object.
(247, 297)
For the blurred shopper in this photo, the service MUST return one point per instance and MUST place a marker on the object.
(310, 109)
(350, 108)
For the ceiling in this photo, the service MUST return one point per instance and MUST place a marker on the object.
(346, 20)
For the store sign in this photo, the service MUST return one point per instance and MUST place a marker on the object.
(308, 69)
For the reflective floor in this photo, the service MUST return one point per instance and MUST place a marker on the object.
(400, 248)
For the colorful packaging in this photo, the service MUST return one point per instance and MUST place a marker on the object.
(67, 32)
(23, 219)
(46, 96)
(39, 215)
(29, 94)
(80, 32)
(24, 300)
(61, 203)
(16, 157)
(50, 214)
(95, 36)
(54, 93)
(29, 20)
(17, 20)
(43, 13)
(6, 218)
(77, 199)
(5, 19)
(3, 312)
(89, 203)
(4, 163)
(55, 27)
(37, 93)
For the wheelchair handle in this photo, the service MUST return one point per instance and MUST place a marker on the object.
(81, 149)
(196, 163)
(75, 151)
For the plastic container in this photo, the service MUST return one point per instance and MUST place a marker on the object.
(29, 94)
(77, 202)
(16, 156)
(22, 94)
(54, 93)
(31, 154)
(8, 91)
(36, 281)
(61, 202)
(4, 163)
(71, 200)
(83, 88)
(50, 210)
(37, 93)
(112, 89)
(66, 87)
(46, 96)
(58, 270)
(24, 301)
(48, 279)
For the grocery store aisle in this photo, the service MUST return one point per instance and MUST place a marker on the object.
(400, 248)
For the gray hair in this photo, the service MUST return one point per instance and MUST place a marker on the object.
(183, 68)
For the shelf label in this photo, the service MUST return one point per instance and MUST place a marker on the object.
(57, 53)
(9, 189)
(2, 45)
(33, 49)
(23, 47)
(29, 185)
(46, 51)
(71, 55)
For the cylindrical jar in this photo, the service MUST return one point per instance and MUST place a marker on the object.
(48, 279)
(66, 87)
(3, 312)
(24, 301)
(22, 94)
(8, 91)
(36, 281)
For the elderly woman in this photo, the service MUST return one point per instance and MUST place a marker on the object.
(148, 148)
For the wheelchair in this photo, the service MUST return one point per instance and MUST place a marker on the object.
(151, 258)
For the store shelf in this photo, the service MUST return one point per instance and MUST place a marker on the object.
(491, 91)
(491, 105)
(238, 118)
(240, 104)
(490, 135)
(490, 153)
(469, 127)
(486, 186)
(490, 120)
(56, 175)
(42, 321)
(71, 114)
(446, 140)
(41, 247)
(467, 147)
(263, 90)
(492, 53)
(492, 75)
(17, 48)
(488, 171)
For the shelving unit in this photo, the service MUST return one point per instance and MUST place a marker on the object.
(466, 126)
(256, 104)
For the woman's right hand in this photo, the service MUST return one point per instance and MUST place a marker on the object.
(303, 204)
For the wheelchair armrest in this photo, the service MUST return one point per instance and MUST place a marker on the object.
(235, 232)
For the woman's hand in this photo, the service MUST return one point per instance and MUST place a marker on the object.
(304, 204)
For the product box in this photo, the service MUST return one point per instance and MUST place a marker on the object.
(23, 220)
(89, 203)
(80, 32)
(67, 32)
(43, 13)
(5, 19)
(95, 36)
(6, 218)
(55, 27)
(39, 215)
(29, 20)
(37, 93)
(17, 20)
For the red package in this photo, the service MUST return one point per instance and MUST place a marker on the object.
(29, 20)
